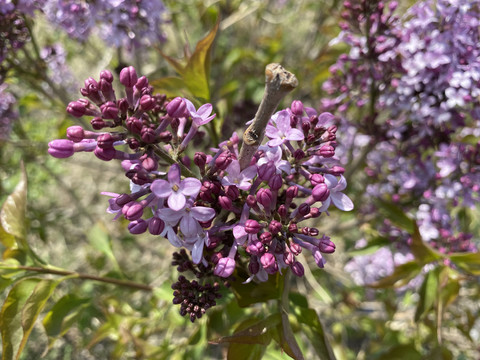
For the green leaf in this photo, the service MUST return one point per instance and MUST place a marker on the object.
(427, 293)
(8, 240)
(396, 215)
(401, 276)
(62, 316)
(171, 86)
(12, 215)
(401, 352)
(469, 262)
(372, 246)
(11, 316)
(423, 252)
(251, 293)
(100, 240)
(245, 351)
(314, 331)
(197, 72)
(33, 306)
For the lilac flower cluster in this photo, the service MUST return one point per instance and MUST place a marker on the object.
(207, 203)
(7, 112)
(127, 23)
(55, 58)
(414, 83)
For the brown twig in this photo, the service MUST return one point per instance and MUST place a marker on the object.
(278, 83)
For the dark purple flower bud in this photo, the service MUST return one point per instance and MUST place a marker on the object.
(326, 151)
(305, 230)
(266, 238)
(255, 247)
(147, 102)
(275, 182)
(295, 249)
(177, 108)
(306, 126)
(297, 107)
(299, 154)
(91, 83)
(265, 197)
(313, 231)
(304, 209)
(149, 164)
(107, 89)
(123, 199)
(313, 120)
(326, 245)
(288, 258)
(128, 77)
(105, 154)
(282, 211)
(109, 110)
(105, 141)
(133, 143)
(214, 241)
(75, 133)
(232, 192)
(206, 224)
(224, 267)
(138, 226)
(275, 227)
(224, 159)
(252, 226)
(134, 125)
(61, 148)
(225, 202)
(77, 108)
(141, 83)
(123, 105)
(297, 269)
(266, 171)
(320, 192)
(200, 159)
(253, 265)
(98, 123)
(251, 201)
(314, 212)
(292, 192)
(316, 179)
(132, 211)
(148, 135)
(337, 170)
(216, 187)
(106, 75)
(269, 263)
(292, 227)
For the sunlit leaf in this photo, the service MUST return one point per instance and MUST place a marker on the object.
(33, 306)
(400, 277)
(313, 329)
(469, 262)
(171, 86)
(62, 316)
(251, 293)
(427, 293)
(12, 214)
(11, 316)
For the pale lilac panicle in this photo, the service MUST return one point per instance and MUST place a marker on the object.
(59, 73)
(8, 112)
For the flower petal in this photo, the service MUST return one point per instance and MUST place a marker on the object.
(342, 201)
(325, 204)
(294, 135)
(170, 216)
(172, 237)
(190, 186)
(161, 188)
(275, 142)
(176, 201)
(189, 226)
(197, 251)
(202, 213)
(283, 121)
(330, 180)
(174, 174)
(272, 132)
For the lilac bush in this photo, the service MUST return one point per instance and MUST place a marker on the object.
(204, 202)
(8, 112)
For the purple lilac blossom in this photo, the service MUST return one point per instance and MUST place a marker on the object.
(209, 205)
(8, 113)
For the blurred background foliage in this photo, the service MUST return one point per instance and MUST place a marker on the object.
(64, 223)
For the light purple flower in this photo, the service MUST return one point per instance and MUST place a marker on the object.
(339, 199)
(175, 189)
(189, 217)
(283, 132)
(274, 154)
(202, 115)
(240, 179)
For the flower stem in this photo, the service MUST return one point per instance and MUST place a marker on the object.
(84, 276)
(278, 83)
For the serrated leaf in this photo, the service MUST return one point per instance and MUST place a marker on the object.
(11, 316)
(401, 276)
(314, 331)
(427, 294)
(33, 306)
(12, 215)
(469, 262)
(62, 316)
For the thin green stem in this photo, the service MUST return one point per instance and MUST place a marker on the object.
(83, 276)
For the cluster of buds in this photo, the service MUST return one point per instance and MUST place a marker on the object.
(210, 204)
